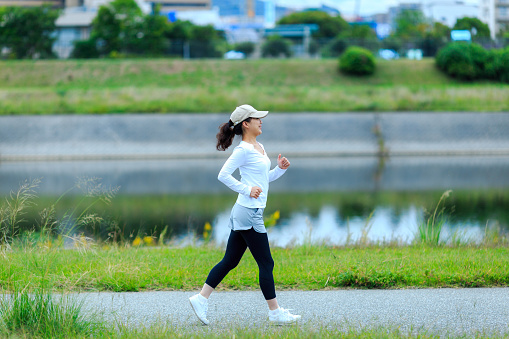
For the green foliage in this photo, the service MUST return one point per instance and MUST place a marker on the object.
(410, 24)
(203, 41)
(470, 61)
(14, 209)
(150, 38)
(329, 26)
(462, 60)
(28, 32)
(85, 49)
(185, 86)
(478, 28)
(180, 30)
(337, 46)
(503, 65)
(429, 230)
(206, 42)
(497, 65)
(393, 43)
(357, 61)
(245, 47)
(40, 315)
(106, 29)
(120, 28)
(435, 39)
(362, 36)
(276, 46)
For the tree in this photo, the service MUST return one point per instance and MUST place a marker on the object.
(479, 29)
(121, 27)
(106, 30)
(206, 42)
(28, 32)
(329, 27)
(410, 25)
(361, 35)
(276, 46)
(435, 39)
(150, 35)
(179, 33)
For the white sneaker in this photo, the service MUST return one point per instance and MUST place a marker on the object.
(282, 316)
(200, 305)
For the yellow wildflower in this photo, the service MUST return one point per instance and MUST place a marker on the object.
(207, 226)
(137, 241)
(149, 241)
(276, 215)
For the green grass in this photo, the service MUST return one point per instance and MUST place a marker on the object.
(307, 267)
(169, 86)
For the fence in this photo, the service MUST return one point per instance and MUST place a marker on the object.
(315, 48)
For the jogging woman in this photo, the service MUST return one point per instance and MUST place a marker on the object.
(246, 219)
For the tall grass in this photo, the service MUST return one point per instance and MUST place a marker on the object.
(38, 313)
(429, 230)
(30, 309)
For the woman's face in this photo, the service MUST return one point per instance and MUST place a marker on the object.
(254, 126)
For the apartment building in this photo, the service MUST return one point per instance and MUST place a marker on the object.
(495, 13)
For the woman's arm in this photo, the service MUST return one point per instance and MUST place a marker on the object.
(225, 175)
(280, 169)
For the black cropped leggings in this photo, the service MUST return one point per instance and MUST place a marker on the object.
(258, 244)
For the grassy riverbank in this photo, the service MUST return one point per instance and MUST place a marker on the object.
(162, 85)
(307, 267)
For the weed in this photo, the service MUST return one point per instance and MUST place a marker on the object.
(429, 231)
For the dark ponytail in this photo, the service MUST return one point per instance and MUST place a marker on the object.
(226, 134)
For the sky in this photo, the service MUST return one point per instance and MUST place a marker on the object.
(367, 7)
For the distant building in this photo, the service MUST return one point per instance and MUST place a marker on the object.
(33, 3)
(74, 24)
(495, 13)
(379, 18)
(447, 12)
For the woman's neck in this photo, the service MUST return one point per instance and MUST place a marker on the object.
(249, 139)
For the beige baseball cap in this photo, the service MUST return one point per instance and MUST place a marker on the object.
(243, 112)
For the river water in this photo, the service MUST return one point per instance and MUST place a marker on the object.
(334, 200)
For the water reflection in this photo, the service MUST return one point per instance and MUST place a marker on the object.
(330, 228)
(321, 199)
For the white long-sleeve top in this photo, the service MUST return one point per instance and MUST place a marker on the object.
(254, 170)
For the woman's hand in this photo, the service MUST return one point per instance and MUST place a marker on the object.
(255, 192)
(283, 163)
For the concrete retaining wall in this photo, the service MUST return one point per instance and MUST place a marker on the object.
(135, 136)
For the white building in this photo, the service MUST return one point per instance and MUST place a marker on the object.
(496, 14)
(448, 11)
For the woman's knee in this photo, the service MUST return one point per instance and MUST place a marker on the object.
(229, 264)
(267, 265)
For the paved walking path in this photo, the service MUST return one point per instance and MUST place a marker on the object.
(438, 311)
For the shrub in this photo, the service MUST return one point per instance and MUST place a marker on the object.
(85, 49)
(497, 65)
(503, 62)
(464, 61)
(276, 46)
(357, 61)
(246, 47)
(337, 47)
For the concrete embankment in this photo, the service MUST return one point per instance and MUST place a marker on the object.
(145, 136)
